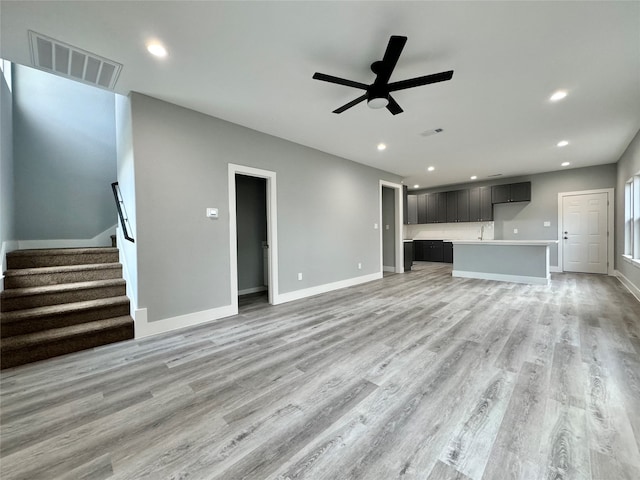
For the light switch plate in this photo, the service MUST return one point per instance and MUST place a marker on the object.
(547, 224)
(212, 213)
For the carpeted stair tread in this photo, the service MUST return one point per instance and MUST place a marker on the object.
(47, 257)
(57, 334)
(59, 288)
(60, 251)
(52, 310)
(18, 272)
(41, 276)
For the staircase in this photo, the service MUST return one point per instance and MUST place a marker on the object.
(58, 301)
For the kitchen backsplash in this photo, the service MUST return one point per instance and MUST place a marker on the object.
(450, 231)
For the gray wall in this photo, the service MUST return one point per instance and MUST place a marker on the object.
(65, 157)
(251, 208)
(528, 217)
(327, 208)
(628, 165)
(6, 165)
(388, 236)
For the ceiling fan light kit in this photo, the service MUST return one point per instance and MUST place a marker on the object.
(378, 94)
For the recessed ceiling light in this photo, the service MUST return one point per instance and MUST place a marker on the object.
(156, 49)
(381, 146)
(416, 186)
(559, 95)
(474, 177)
(563, 143)
(431, 169)
(565, 164)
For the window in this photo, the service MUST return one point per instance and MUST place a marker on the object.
(632, 218)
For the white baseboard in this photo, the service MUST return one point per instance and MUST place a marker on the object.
(144, 328)
(248, 291)
(103, 239)
(635, 291)
(500, 277)
(327, 287)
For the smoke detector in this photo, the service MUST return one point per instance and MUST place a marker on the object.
(62, 59)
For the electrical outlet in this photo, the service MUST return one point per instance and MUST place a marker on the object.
(515, 230)
(359, 266)
(375, 226)
(386, 227)
(300, 276)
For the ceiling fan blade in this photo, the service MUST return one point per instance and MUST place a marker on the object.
(393, 106)
(391, 56)
(339, 81)
(416, 82)
(350, 104)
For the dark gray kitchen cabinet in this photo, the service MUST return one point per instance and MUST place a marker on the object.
(422, 208)
(437, 207)
(428, 250)
(462, 197)
(447, 252)
(434, 251)
(458, 206)
(412, 209)
(408, 256)
(511, 192)
(480, 206)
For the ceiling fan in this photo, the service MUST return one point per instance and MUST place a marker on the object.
(378, 94)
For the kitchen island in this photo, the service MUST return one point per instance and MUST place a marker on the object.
(519, 261)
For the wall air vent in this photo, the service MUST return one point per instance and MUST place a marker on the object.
(62, 59)
(494, 175)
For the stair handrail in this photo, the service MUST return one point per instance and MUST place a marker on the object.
(122, 212)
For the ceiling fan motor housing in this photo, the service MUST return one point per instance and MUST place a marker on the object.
(377, 96)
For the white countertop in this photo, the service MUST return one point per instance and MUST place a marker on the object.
(504, 242)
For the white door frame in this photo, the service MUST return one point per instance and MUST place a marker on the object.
(610, 219)
(398, 224)
(272, 229)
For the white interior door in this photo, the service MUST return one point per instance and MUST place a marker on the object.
(584, 221)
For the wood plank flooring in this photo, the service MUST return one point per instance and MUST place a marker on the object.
(415, 376)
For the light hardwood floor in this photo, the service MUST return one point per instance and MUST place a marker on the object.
(415, 376)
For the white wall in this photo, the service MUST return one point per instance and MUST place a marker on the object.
(327, 208)
(7, 219)
(65, 157)
(127, 183)
(628, 165)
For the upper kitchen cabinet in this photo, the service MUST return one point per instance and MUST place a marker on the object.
(480, 206)
(458, 206)
(437, 207)
(511, 192)
(422, 208)
(412, 209)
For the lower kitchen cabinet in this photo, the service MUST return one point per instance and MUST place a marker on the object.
(408, 256)
(428, 250)
(447, 250)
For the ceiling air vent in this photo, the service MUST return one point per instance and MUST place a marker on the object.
(434, 131)
(62, 59)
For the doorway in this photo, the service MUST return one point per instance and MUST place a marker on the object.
(585, 231)
(251, 239)
(391, 233)
(252, 235)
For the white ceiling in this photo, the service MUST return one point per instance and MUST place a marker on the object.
(251, 63)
